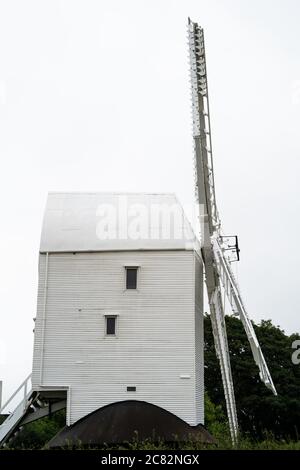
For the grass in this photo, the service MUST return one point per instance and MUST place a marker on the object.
(35, 436)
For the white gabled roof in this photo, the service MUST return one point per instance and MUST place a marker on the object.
(115, 221)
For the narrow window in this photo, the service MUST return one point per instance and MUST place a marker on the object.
(131, 278)
(110, 325)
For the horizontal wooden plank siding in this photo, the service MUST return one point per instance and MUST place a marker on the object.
(155, 342)
(199, 341)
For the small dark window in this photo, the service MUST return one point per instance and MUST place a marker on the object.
(131, 278)
(131, 389)
(111, 325)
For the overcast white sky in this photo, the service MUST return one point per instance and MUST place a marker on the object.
(94, 95)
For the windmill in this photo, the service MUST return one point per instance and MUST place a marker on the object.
(214, 245)
(89, 338)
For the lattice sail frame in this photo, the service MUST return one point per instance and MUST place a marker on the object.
(217, 267)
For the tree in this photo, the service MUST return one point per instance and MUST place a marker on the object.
(259, 411)
(36, 434)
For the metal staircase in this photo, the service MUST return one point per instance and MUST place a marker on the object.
(32, 406)
(11, 422)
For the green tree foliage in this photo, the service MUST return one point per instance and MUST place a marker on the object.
(36, 434)
(262, 416)
(259, 411)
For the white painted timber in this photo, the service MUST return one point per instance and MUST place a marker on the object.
(160, 330)
(115, 221)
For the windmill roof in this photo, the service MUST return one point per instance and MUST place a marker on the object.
(95, 221)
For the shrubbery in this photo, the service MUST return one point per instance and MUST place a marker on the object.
(266, 421)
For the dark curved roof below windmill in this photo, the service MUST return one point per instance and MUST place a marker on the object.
(127, 421)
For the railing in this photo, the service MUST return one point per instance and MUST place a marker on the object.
(25, 388)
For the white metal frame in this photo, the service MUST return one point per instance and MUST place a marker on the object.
(217, 268)
(15, 416)
(26, 392)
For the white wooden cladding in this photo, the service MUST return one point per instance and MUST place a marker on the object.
(115, 221)
(159, 343)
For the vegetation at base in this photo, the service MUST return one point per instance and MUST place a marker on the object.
(266, 421)
(36, 434)
(217, 425)
(259, 411)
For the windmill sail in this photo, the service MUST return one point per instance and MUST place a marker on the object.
(217, 267)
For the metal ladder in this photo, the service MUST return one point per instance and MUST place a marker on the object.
(34, 405)
(10, 423)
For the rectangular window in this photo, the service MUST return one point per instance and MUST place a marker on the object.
(110, 325)
(131, 278)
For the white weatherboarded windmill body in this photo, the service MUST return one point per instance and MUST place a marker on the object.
(120, 308)
(117, 317)
(120, 300)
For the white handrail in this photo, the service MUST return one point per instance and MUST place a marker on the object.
(23, 385)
